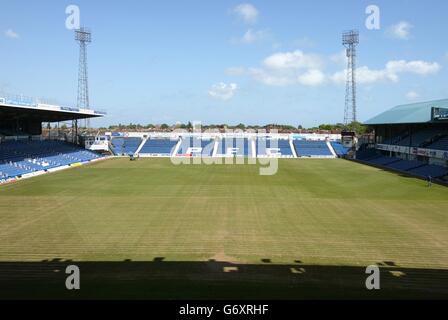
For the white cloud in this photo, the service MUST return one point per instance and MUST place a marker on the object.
(252, 36)
(401, 30)
(276, 45)
(307, 69)
(247, 12)
(270, 78)
(223, 91)
(417, 66)
(312, 77)
(11, 34)
(289, 68)
(412, 95)
(235, 71)
(293, 60)
(390, 72)
(365, 75)
(339, 58)
(264, 76)
(303, 42)
(339, 77)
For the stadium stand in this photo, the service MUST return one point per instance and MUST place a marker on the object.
(205, 146)
(159, 146)
(265, 146)
(234, 147)
(309, 148)
(19, 157)
(384, 160)
(412, 167)
(405, 165)
(411, 138)
(412, 125)
(395, 140)
(117, 145)
(366, 154)
(419, 137)
(440, 144)
(21, 119)
(429, 170)
(125, 145)
(339, 148)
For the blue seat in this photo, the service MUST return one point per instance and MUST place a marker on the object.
(195, 146)
(125, 145)
(162, 146)
(19, 157)
(310, 148)
(339, 148)
(405, 165)
(234, 147)
(272, 146)
(384, 160)
(430, 170)
(441, 144)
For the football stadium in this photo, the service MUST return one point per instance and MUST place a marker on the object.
(222, 214)
(156, 228)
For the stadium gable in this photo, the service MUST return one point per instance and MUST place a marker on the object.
(422, 112)
(22, 115)
(45, 113)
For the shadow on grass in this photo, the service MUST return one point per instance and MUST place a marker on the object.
(161, 279)
(404, 174)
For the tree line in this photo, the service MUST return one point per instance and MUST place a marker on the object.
(338, 127)
(354, 126)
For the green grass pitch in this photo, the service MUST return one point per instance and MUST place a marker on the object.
(150, 229)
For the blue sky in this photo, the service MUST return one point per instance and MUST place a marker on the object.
(254, 62)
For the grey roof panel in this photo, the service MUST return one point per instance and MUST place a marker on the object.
(408, 113)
